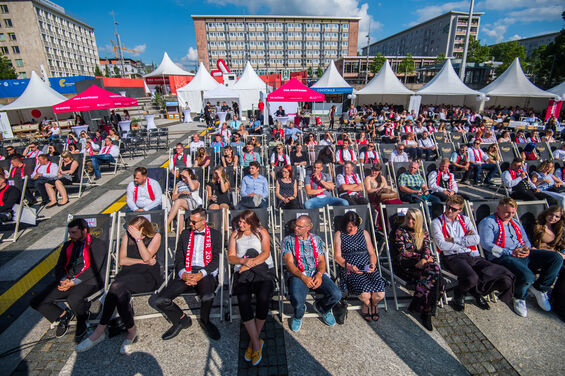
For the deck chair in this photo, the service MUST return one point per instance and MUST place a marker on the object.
(398, 168)
(445, 149)
(319, 227)
(385, 151)
(528, 212)
(507, 151)
(440, 137)
(83, 176)
(544, 151)
(367, 223)
(17, 211)
(458, 137)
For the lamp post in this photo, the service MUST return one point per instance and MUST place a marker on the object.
(467, 36)
(367, 68)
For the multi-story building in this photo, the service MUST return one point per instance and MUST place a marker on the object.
(444, 34)
(37, 33)
(132, 68)
(274, 43)
(531, 43)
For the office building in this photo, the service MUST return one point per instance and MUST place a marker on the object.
(444, 34)
(37, 33)
(131, 68)
(274, 43)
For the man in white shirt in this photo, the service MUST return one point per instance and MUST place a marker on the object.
(442, 182)
(143, 193)
(45, 172)
(350, 185)
(195, 144)
(179, 160)
(560, 153)
(399, 155)
(345, 154)
(107, 154)
(370, 156)
(427, 145)
(481, 161)
(31, 151)
(225, 132)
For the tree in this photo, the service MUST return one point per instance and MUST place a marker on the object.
(310, 72)
(106, 71)
(506, 53)
(377, 63)
(319, 71)
(117, 71)
(7, 71)
(406, 65)
(440, 59)
(476, 52)
(97, 71)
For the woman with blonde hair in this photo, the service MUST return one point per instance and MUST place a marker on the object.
(140, 273)
(415, 263)
(218, 190)
(202, 158)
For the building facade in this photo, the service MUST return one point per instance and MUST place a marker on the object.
(132, 68)
(444, 34)
(531, 43)
(37, 33)
(274, 43)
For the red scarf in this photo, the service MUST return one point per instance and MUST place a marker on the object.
(21, 171)
(341, 155)
(521, 140)
(297, 251)
(149, 190)
(245, 156)
(277, 160)
(227, 133)
(408, 129)
(461, 222)
(363, 142)
(501, 241)
(375, 157)
(190, 249)
(478, 156)
(184, 159)
(317, 185)
(440, 175)
(347, 181)
(432, 129)
(389, 132)
(85, 255)
(32, 154)
(514, 174)
(2, 195)
(106, 150)
(535, 139)
(90, 152)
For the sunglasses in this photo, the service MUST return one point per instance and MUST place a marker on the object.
(195, 222)
(453, 209)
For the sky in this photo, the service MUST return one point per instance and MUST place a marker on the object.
(153, 27)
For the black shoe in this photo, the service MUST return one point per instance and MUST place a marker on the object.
(81, 328)
(488, 183)
(64, 324)
(427, 321)
(174, 330)
(482, 303)
(210, 329)
(458, 303)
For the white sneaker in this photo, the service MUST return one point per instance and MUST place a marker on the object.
(125, 349)
(541, 297)
(87, 344)
(520, 307)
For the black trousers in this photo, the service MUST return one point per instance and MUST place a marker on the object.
(530, 195)
(478, 276)
(163, 301)
(263, 293)
(76, 296)
(354, 199)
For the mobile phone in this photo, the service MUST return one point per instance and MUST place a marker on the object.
(366, 268)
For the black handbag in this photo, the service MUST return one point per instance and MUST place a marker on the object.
(340, 308)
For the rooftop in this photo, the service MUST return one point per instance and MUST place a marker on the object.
(195, 16)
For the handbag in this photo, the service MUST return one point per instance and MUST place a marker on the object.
(387, 194)
(340, 308)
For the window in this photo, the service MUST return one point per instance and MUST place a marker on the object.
(2, 37)
(4, 9)
(8, 22)
(16, 49)
(4, 50)
(19, 63)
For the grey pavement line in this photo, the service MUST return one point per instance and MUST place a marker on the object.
(473, 349)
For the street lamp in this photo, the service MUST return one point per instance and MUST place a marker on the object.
(367, 68)
(467, 36)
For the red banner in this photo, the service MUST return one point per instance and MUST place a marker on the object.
(553, 108)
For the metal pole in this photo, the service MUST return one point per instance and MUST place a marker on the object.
(368, 47)
(118, 41)
(467, 35)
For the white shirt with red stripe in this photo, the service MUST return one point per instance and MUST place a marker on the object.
(113, 150)
(143, 199)
(461, 242)
(48, 170)
(434, 187)
(344, 155)
(351, 179)
(477, 156)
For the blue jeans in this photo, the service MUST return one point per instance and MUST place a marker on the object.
(247, 203)
(96, 159)
(414, 198)
(490, 167)
(548, 262)
(320, 202)
(298, 291)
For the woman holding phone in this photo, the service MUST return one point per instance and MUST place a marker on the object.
(355, 254)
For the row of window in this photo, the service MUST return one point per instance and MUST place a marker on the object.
(272, 44)
(63, 32)
(223, 53)
(273, 25)
(64, 23)
(4, 50)
(17, 62)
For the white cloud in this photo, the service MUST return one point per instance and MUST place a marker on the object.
(432, 11)
(515, 37)
(140, 48)
(495, 32)
(514, 4)
(337, 8)
(189, 60)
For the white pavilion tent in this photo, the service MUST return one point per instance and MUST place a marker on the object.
(250, 86)
(558, 90)
(190, 95)
(447, 88)
(385, 87)
(168, 68)
(37, 96)
(222, 93)
(331, 82)
(512, 88)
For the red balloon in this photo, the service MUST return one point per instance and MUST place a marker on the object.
(36, 113)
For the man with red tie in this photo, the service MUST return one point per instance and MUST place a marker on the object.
(456, 239)
(45, 172)
(108, 153)
(143, 193)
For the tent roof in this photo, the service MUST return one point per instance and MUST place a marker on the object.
(385, 82)
(94, 98)
(168, 68)
(37, 94)
(559, 90)
(221, 92)
(249, 80)
(331, 79)
(295, 91)
(514, 83)
(203, 81)
(446, 82)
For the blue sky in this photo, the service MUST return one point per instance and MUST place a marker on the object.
(153, 27)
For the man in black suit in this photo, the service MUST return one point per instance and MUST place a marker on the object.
(78, 275)
(196, 268)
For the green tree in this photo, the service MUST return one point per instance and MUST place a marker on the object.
(476, 52)
(440, 59)
(406, 65)
(310, 72)
(506, 53)
(106, 71)
(319, 71)
(377, 63)
(553, 57)
(7, 71)
(97, 71)
(117, 71)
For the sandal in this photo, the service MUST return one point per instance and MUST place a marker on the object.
(375, 315)
(366, 315)
(51, 204)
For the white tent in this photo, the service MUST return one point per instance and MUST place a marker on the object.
(168, 68)
(512, 88)
(559, 90)
(385, 87)
(37, 95)
(190, 95)
(222, 93)
(250, 85)
(332, 82)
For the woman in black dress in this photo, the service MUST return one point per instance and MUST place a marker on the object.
(140, 273)
(286, 190)
(218, 190)
(67, 175)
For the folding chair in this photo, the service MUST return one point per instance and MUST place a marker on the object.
(458, 137)
(17, 214)
(507, 151)
(445, 149)
(440, 137)
(528, 212)
(544, 151)
(385, 151)
(84, 177)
